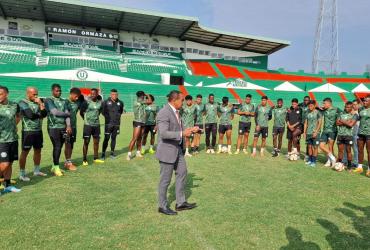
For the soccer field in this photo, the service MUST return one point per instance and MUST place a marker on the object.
(244, 203)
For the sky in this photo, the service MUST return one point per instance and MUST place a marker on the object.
(292, 20)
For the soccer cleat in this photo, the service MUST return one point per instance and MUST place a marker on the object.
(11, 189)
(312, 165)
(70, 166)
(328, 163)
(262, 154)
(358, 170)
(24, 178)
(139, 155)
(212, 151)
(39, 173)
(208, 151)
(254, 154)
(143, 151)
(275, 154)
(229, 152)
(56, 171)
(237, 152)
(112, 156)
(103, 156)
(188, 155)
(85, 163)
(128, 157)
(308, 163)
(98, 161)
(219, 151)
(151, 151)
(245, 151)
(368, 173)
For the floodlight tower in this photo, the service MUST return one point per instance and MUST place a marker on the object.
(325, 54)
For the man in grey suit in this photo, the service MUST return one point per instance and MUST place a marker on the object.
(170, 153)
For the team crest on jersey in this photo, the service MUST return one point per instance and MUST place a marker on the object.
(3, 154)
(118, 103)
(109, 103)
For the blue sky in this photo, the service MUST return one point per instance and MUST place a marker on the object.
(293, 20)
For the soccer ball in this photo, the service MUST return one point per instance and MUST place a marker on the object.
(224, 149)
(293, 157)
(339, 166)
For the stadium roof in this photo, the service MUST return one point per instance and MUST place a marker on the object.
(117, 18)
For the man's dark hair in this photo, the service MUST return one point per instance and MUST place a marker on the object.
(94, 89)
(312, 102)
(349, 103)
(264, 97)
(355, 100)
(75, 91)
(4, 88)
(199, 96)
(279, 100)
(140, 93)
(248, 96)
(211, 95)
(328, 99)
(151, 97)
(188, 97)
(225, 99)
(113, 91)
(295, 100)
(307, 97)
(173, 95)
(55, 86)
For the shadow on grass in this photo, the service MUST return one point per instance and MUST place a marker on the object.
(188, 188)
(294, 237)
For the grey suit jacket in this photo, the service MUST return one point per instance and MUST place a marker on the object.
(169, 135)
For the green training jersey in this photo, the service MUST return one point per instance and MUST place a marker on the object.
(330, 118)
(263, 115)
(8, 122)
(188, 114)
(211, 112)
(200, 108)
(59, 104)
(27, 123)
(139, 111)
(92, 111)
(151, 114)
(246, 108)
(279, 117)
(344, 130)
(73, 108)
(364, 128)
(226, 113)
(312, 117)
(304, 112)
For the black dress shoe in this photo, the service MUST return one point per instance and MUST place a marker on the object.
(167, 211)
(186, 206)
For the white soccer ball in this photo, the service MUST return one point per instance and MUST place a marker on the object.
(339, 166)
(224, 149)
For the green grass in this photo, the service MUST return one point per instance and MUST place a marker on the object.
(244, 203)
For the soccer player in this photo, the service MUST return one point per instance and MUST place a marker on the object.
(151, 111)
(138, 124)
(32, 110)
(226, 114)
(188, 113)
(279, 113)
(312, 127)
(245, 112)
(355, 109)
(210, 120)
(263, 114)
(329, 132)
(74, 103)
(364, 136)
(345, 122)
(90, 112)
(304, 108)
(200, 110)
(9, 118)
(59, 124)
(295, 127)
(112, 110)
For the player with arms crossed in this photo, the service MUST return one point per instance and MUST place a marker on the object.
(245, 112)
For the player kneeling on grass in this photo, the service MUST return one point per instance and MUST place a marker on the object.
(245, 112)
(151, 111)
(200, 110)
(279, 113)
(312, 127)
(188, 115)
(32, 110)
(263, 114)
(90, 112)
(364, 136)
(226, 114)
(345, 123)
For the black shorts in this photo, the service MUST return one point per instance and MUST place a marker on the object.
(313, 141)
(363, 137)
(326, 137)
(32, 139)
(289, 134)
(138, 124)
(149, 128)
(223, 128)
(57, 135)
(93, 131)
(201, 128)
(346, 140)
(264, 132)
(278, 130)
(71, 139)
(9, 151)
(111, 129)
(244, 127)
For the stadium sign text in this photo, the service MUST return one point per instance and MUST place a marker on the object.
(152, 52)
(239, 83)
(78, 32)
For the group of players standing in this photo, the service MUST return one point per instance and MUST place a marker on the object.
(320, 126)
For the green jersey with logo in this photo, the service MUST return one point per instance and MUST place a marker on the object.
(73, 108)
(211, 112)
(139, 111)
(364, 128)
(312, 117)
(92, 112)
(200, 108)
(263, 115)
(226, 113)
(27, 123)
(151, 114)
(344, 130)
(330, 119)
(279, 117)
(59, 104)
(188, 115)
(246, 108)
(8, 122)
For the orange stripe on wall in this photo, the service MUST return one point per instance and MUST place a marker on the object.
(349, 80)
(261, 93)
(183, 90)
(235, 95)
(343, 97)
(255, 75)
